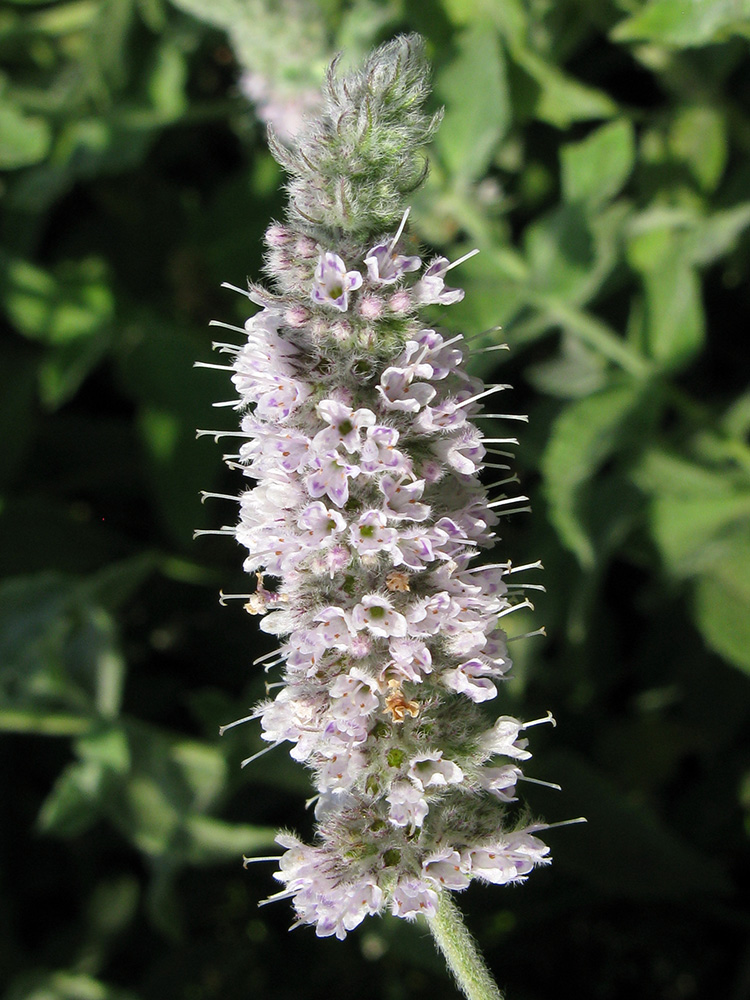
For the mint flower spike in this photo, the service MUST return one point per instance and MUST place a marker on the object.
(365, 530)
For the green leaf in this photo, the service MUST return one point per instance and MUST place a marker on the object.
(697, 136)
(722, 599)
(692, 508)
(571, 254)
(583, 437)
(477, 105)
(683, 25)
(73, 804)
(210, 840)
(24, 140)
(64, 986)
(552, 96)
(674, 321)
(595, 169)
(76, 302)
(714, 236)
(57, 651)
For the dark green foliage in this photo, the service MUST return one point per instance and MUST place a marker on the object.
(597, 153)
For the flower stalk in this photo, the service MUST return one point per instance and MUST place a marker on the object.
(365, 531)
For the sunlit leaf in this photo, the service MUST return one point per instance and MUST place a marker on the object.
(595, 169)
(477, 105)
(673, 22)
(23, 139)
(722, 599)
(584, 436)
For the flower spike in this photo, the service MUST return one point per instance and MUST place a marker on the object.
(363, 519)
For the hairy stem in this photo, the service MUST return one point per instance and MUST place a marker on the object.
(461, 953)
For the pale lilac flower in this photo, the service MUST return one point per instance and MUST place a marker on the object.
(471, 678)
(376, 614)
(398, 392)
(344, 427)
(333, 282)
(379, 451)
(413, 898)
(408, 807)
(331, 477)
(320, 524)
(429, 770)
(384, 268)
(402, 499)
(370, 534)
(501, 781)
(446, 868)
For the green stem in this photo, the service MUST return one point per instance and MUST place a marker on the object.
(461, 953)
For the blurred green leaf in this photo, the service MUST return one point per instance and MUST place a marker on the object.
(691, 508)
(569, 254)
(548, 94)
(76, 302)
(595, 169)
(672, 22)
(23, 139)
(583, 437)
(674, 320)
(715, 235)
(64, 985)
(477, 105)
(56, 652)
(697, 136)
(73, 804)
(577, 371)
(722, 600)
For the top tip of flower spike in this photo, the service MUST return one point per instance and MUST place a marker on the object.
(372, 127)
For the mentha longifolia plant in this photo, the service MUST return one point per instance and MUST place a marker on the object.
(366, 524)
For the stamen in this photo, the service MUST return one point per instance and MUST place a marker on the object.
(238, 722)
(242, 291)
(520, 569)
(218, 368)
(213, 531)
(232, 597)
(551, 826)
(481, 569)
(538, 781)
(249, 861)
(504, 503)
(223, 434)
(227, 326)
(266, 656)
(498, 416)
(466, 256)
(528, 635)
(229, 402)
(539, 722)
(517, 607)
(260, 753)
(481, 395)
(502, 482)
(492, 347)
(217, 496)
(400, 230)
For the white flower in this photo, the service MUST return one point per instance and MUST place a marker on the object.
(333, 282)
(408, 807)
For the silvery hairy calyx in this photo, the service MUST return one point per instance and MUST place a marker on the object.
(366, 526)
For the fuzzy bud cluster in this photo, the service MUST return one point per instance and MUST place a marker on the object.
(365, 531)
